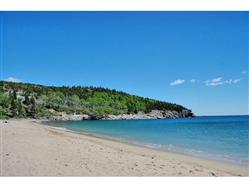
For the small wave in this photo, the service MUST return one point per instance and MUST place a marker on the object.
(198, 153)
(58, 128)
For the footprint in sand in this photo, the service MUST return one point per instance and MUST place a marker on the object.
(190, 171)
(213, 174)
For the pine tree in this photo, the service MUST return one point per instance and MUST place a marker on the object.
(33, 107)
(13, 107)
(14, 95)
(13, 104)
(20, 109)
(26, 100)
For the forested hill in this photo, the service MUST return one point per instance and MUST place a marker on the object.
(20, 100)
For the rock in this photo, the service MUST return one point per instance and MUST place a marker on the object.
(154, 114)
(93, 117)
(73, 117)
(86, 117)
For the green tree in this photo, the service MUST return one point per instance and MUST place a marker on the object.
(13, 104)
(21, 112)
(14, 94)
(33, 107)
(26, 100)
(3, 113)
(13, 107)
(4, 100)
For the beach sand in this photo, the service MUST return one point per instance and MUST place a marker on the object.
(30, 149)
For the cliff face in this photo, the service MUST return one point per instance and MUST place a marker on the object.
(155, 114)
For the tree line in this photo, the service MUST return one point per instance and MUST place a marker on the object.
(34, 101)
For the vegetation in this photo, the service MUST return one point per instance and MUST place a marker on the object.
(21, 100)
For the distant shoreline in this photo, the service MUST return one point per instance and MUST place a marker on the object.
(62, 153)
(155, 114)
(75, 103)
(226, 115)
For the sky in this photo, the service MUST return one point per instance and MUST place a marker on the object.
(196, 59)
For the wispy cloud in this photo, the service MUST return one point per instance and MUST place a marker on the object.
(214, 82)
(177, 82)
(236, 81)
(209, 83)
(218, 81)
(244, 72)
(12, 79)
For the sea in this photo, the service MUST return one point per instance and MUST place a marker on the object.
(221, 138)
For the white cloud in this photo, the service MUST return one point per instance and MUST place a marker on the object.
(218, 79)
(12, 79)
(244, 72)
(214, 82)
(177, 82)
(230, 81)
(236, 81)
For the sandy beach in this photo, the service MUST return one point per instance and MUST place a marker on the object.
(30, 149)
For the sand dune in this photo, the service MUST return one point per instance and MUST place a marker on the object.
(30, 149)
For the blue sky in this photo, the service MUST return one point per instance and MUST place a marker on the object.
(197, 59)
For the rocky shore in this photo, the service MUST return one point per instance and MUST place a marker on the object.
(154, 114)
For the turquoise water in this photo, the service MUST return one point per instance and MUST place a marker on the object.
(222, 138)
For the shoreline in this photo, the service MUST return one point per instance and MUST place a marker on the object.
(117, 156)
(154, 114)
(138, 144)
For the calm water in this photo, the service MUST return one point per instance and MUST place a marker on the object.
(221, 138)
